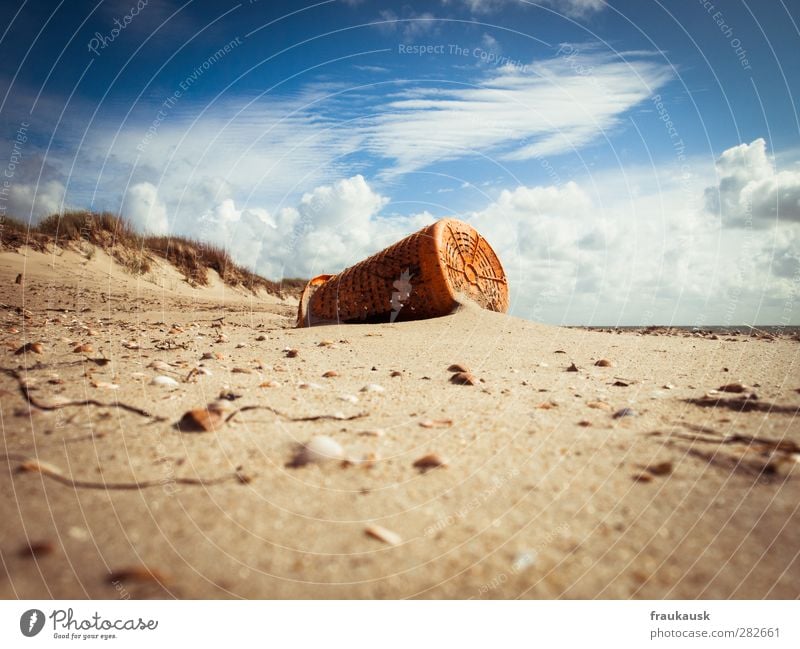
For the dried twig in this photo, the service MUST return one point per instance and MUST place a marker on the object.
(360, 415)
(66, 404)
(32, 465)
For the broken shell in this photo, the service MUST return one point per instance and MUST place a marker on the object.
(161, 366)
(458, 367)
(330, 374)
(164, 382)
(319, 448)
(201, 420)
(383, 534)
(436, 423)
(603, 362)
(269, 384)
(463, 378)
(430, 461)
(85, 348)
(373, 387)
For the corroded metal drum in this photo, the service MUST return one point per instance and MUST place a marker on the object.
(421, 276)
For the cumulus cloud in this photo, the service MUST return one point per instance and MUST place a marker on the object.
(750, 191)
(28, 200)
(142, 205)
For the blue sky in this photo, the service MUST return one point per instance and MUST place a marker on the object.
(631, 162)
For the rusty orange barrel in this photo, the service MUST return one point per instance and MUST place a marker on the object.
(421, 276)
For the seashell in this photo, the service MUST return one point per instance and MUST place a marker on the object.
(463, 378)
(373, 432)
(599, 405)
(105, 385)
(396, 373)
(458, 367)
(625, 412)
(164, 382)
(620, 384)
(85, 348)
(383, 534)
(662, 468)
(330, 374)
(292, 353)
(430, 461)
(207, 356)
(547, 405)
(241, 370)
(175, 330)
(200, 420)
(325, 343)
(261, 338)
(350, 398)
(309, 386)
(318, 449)
(436, 423)
(604, 362)
(161, 366)
(137, 574)
(36, 348)
(130, 345)
(269, 384)
(373, 387)
(37, 549)
(736, 387)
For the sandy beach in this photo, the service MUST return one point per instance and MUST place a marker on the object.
(638, 477)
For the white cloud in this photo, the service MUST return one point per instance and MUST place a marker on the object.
(750, 192)
(572, 8)
(514, 113)
(142, 205)
(26, 200)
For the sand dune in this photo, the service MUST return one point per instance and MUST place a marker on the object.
(632, 479)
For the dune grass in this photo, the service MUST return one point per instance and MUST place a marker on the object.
(135, 251)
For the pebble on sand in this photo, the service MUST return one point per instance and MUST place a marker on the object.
(36, 348)
(463, 378)
(603, 362)
(37, 549)
(436, 423)
(330, 374)
(430, 461)
(85, 348)
(383, 534)
(292, 353)
(201, 420)
(318, 449)
(572, 368)
(624, 412)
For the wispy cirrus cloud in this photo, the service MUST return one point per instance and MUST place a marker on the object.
(515, 112)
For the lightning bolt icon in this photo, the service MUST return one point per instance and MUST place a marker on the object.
(32, 621)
